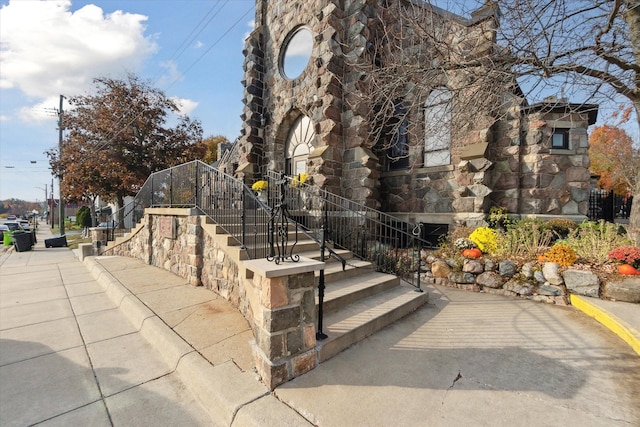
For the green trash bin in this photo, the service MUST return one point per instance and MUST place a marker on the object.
(6, 238)
(22, 241)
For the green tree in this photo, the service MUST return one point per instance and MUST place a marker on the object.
(117, 136)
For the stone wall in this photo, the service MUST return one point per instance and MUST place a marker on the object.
(546, 282)
(278, 300)
(515, 169)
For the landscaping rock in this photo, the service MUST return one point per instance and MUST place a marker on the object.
(550, 290)
(627, 290)
(582, 282)
(489, 279)
(440, 269)
(507, 268)
(472, 266)
(551, 273)
(489, 265)
(453, 263)
(518, 288)
(538, 276)
(527, 270)
(462, 277)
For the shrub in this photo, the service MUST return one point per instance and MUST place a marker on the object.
(560, 227)
(486, 239)
(561, 254)
(593, 241)
(83, 216)
(626, 255)
(524, 238)
(498, 218)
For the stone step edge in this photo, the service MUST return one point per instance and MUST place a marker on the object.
(338, 342)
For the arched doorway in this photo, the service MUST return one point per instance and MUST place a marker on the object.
(299, 144)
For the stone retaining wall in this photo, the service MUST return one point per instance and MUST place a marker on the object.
(547, 282)
(276, 299)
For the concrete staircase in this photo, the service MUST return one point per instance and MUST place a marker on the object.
(358, 302)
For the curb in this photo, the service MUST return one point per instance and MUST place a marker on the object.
(243, 403)
(610, 321)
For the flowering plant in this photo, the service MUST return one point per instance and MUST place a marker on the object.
(485, 238)
(626, 255)
(260, 186)
(463, 243)
(561, 254)
(300, 179)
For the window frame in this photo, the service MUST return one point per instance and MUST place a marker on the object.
(437, 145)
(564, 133)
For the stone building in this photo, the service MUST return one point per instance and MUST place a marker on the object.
(307, 111)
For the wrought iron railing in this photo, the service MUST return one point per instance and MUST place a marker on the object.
(391, 245)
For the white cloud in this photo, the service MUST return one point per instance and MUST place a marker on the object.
(252, 26)
(171, 76)
(186, 106)
(46, 49)
(198, 44)
(47, 110)
(4, 118)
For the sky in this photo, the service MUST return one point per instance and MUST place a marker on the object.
(189, 49)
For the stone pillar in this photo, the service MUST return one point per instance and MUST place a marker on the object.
(282, 301)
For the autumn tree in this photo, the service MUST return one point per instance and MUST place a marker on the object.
(118, 135)
(614, 158)
(211, 143)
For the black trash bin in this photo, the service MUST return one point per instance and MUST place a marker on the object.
(56, 242)
(22, 241)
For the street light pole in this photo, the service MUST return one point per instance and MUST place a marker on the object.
(61, 214)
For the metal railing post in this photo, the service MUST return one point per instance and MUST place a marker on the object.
(171, 187)
(320, 335)
(417, 231)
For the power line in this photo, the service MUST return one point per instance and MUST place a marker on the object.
(114, 135)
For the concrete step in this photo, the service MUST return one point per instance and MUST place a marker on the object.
(334, 272)
(340, 294)
(361, 319)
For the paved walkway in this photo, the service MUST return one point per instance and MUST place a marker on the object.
(70, 357)
(116, 342)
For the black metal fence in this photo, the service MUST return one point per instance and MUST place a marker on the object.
(608, 206)
(391, 244)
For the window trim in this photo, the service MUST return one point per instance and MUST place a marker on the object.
(565, 133)
(437, 106)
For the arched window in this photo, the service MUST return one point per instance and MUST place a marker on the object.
(299, 144)
(398, 151)
(437, 127)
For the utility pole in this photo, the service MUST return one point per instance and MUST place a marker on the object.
(61, 214)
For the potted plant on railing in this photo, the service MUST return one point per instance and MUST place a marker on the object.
(629, 259)
(298, 180)
(260, 187)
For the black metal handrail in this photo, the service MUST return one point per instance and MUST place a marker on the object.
(392, 245)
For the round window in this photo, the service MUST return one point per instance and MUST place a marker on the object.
(296, 52)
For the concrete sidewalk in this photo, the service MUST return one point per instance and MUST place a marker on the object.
(465, 358)
(70, 357)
